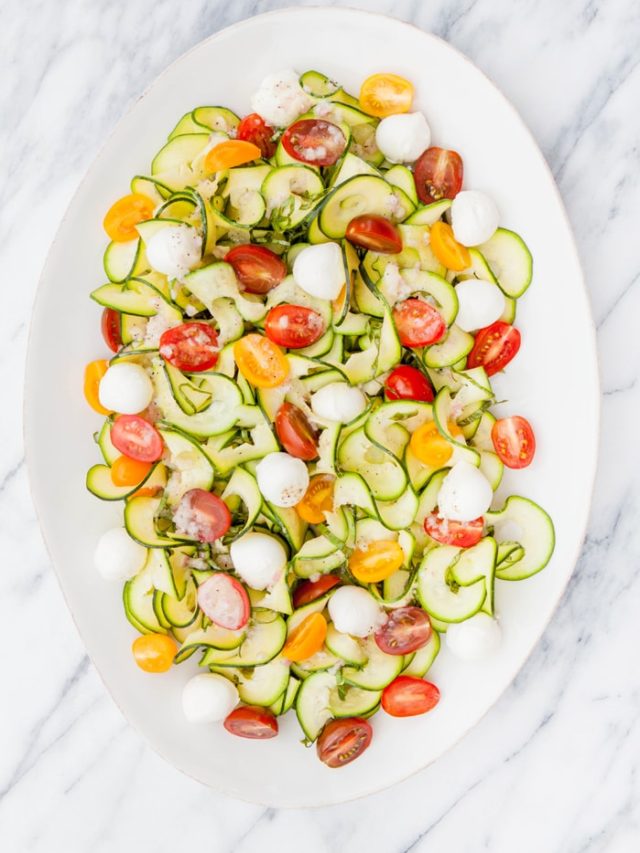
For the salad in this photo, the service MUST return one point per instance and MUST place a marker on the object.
(305, 310)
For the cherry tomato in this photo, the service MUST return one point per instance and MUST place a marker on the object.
(314, 141)
(450, 253)
(514, 441)
(252, 722)
(462, 534)
(495, 347)
(406, 629)
(438, 174)
(136, 438)
(379, 560)
(128, 472)
(225, 601)
(294, 326)
(93, 373)
(408, 383)
(111, 329)
(295, 433)
(306, 639)
(253, 128)
(261, 362)
(430, 447)
(342, 741)
(154, 652)
(230, 153)
(309, 591)
(191, 347)
(206, 516)
(407, 696)
(318, 499)
(123, 216)
(374, 232)
(418, 323)
(385, 94)
(258, 269)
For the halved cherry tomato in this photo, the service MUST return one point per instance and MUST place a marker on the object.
(374, 232)
(136, 438)
(446, 248)
(408, 383)
(230, 153)
(258, 269)
(123, 216)
(379, 560)
(225, 601)
(93, 373)
(309, 591)
(191, 347)
(342, 741)
(111, 329)
(154, 652)
(438, 174)
(307, 639)
(385, 94)
(418, 323)
(253, 128)
(408, 696)
(514, 441)
(495, 347)
(462, 534)
(261, 362)
(203, 515)
(314, 141)
(430, 447)
(294, 326)
(252, 722)
(318, 499)
(295, 433)
(127, 472)
(406, 629)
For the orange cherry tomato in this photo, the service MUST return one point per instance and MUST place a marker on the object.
(154, 652)
(318, 499)
(261, 362)
(385, 94)
(93, 373)
(430, 447)
(307, 639)
(446, 248)
(127, 472)
(379, 560)
(233, 152)
(123, 216)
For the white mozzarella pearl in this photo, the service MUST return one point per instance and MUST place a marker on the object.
(174, 250)
(117, 556)
(259, 559)
(338, 401)
(480, 303)
(125, 388)
(465, 493)
(208, 698)
(475, 638)
(282, 479)
(355, 611)
(402, 138)
(474, 217)
(319, 270)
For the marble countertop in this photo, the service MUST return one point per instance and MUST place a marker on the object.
(555, 766)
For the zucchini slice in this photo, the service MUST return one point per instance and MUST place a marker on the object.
(524, 522)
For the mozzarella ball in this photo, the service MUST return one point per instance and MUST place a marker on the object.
(475, 638)
(125, 388)
(402, 138)
(117, 556)
(319, 270)
(465, 493)
(480, 303)
(259, 559)
(338, 401)
(281, 99)
(208, 698)
(355, 611)
(474, 217)
(282, 479)
(174, 250)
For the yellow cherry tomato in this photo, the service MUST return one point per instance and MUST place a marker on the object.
(307, 639)
(385, 94)
(446, 248)
(127, 472)
(430, 447)
(379, 560)
(261, 362)
(154, 652)
(123, 216)
(93, 373)
(232, 153)
(318, 499)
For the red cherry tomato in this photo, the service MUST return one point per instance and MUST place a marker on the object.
(342, 741)
(418, 323)
(314, 141)
(406, 629)
(374, 232)
(295, 433)
(202, 515)
(462, 534)
(309, 591)
(225, 601)
(294, 326)
(111, 329)
(407, 696)
(258, 269)
(191, 347)
(408, 383)
(514, 441)
(252, 722)
(136, 438)
(253, 128)
(495, 347)
(438, 174)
